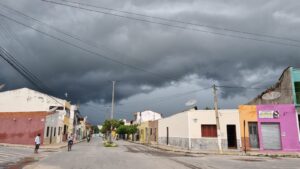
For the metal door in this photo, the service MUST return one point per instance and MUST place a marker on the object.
(271, 136)
(253, 135)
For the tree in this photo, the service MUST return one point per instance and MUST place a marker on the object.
(122, 129)
(95, 129)
(132, 129)
(110, 124)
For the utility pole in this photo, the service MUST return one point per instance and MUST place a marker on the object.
(112, 110)
(113, 100)
(217, 119)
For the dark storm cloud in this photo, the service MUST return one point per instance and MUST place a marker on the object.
(171, 53)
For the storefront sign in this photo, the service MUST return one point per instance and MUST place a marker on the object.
(268, 114)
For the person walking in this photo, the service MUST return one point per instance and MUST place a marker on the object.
(37, 141)
(70, 142)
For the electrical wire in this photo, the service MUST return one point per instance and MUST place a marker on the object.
(84, 41)
(4, 54)
(178, 27)
(86, 50)
(183, 22)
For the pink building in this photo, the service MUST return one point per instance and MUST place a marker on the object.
(278, 127)
(22, 127)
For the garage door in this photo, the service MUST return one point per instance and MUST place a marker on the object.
(271, 136)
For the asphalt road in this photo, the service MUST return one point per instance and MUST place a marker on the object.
(133, 156)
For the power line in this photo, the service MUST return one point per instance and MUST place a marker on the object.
(4, 54)
(20, 66)
(252, 88)
(84, 41)
(184, 22)
(178, 27)
(86, 50)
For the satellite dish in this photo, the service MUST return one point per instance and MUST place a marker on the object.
(191, 102)
(2, 86)
(271, 95)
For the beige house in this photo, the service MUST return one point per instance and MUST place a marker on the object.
(196, 129)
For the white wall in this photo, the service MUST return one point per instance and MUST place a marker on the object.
(26, 100)
(147, 116)
(226, 116)
(54, 120)
(177, 124)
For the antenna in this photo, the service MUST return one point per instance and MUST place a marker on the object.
(191, 102)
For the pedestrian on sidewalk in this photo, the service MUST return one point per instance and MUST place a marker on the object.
(70, 142)
(37, 141)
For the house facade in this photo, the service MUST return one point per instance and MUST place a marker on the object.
(278, 110)
(57, 122)
(197, 130)
(22, 127)
(269, 127)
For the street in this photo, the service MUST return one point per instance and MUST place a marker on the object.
(134, 156)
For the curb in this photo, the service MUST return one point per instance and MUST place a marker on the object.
(238, 153)
(42, 147)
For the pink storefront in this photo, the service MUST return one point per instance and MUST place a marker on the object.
(278, 127)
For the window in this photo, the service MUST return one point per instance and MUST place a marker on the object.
(59, 128)
(209, 130)
(297, 92)
(54, 131)
(150, 131)
(47, 133)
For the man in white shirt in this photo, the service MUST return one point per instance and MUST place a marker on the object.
(37, 141)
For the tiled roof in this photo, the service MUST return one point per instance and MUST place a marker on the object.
(22, 114)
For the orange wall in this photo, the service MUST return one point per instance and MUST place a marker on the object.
(249, 114)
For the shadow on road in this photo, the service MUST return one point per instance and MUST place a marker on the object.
(155, 152)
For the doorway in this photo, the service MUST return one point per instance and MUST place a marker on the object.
(167, 135)
(253, 134)
(231, 136)
(51, 134)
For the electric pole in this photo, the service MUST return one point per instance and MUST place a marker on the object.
(113, 100)
(217, 119)
(112, 110)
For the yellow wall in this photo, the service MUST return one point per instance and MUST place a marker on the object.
(248, 114)
(144, 132)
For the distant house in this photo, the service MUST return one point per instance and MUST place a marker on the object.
(197, 130)
(147, 115)
(31, 112)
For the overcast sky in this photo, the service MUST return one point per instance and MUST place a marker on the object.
(156, 66)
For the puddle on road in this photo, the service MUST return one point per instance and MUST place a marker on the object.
(22, 163)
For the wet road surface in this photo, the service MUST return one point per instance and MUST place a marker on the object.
(134, 156)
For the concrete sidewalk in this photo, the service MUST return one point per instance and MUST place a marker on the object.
(225, 152)
(43, 147)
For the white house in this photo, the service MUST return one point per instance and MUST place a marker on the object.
(196, 129)
(147, 115)
(27, 100)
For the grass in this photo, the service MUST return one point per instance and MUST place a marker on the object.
(108, 144)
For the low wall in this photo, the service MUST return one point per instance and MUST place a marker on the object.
(197, 144)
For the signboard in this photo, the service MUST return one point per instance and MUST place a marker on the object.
(268, 114)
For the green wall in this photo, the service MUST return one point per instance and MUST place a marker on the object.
(295, 73)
